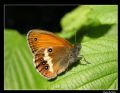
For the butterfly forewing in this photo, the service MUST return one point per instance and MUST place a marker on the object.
(38, 39)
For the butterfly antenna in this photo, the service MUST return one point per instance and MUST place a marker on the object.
(75, 36)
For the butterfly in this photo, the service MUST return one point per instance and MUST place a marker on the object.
(52, 54)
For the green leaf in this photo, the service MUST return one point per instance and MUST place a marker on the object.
(98, 39)
(101, 73)
(86, 16)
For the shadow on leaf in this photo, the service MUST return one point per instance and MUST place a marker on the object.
(90, 31)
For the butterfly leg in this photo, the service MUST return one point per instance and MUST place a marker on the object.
(81, 56)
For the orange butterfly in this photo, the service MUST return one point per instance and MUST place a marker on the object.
(53, 55)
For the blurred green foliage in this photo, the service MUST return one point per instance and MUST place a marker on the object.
(96, 31)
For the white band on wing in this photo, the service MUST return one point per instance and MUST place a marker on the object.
(48, 59)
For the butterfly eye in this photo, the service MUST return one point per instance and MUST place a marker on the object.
(44, 62)
(46, 67)
(49, 49)
(35, 39)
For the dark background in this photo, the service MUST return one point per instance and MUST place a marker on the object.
(25, 18)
